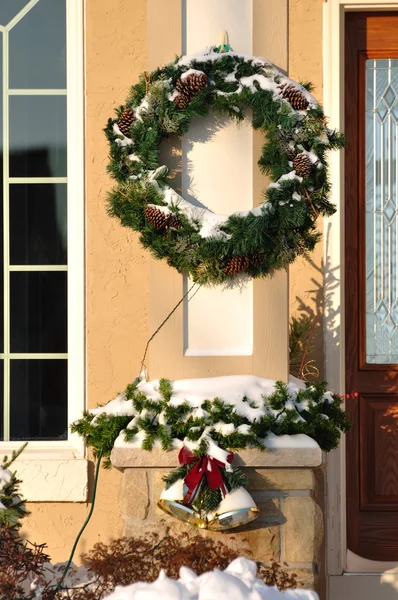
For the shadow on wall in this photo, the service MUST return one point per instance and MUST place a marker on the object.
(321, 301)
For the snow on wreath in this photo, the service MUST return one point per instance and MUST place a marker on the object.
(213, 248)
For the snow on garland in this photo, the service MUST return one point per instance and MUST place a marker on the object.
(210, 247)
(205, 419)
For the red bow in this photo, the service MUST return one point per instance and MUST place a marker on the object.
(205, 466)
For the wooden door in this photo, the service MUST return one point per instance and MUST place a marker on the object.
(371, 282)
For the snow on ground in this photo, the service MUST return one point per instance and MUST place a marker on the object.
(237, 582)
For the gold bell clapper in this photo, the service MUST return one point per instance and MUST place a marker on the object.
(185, 499)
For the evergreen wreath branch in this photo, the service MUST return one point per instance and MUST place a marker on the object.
(211, 248)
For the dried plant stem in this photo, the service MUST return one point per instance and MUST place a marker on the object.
(147, 82)
(310, 335)
(316, 213)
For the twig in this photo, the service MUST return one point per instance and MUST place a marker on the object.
(162, 324)
(147, 82)
(311, 333)
(311, 203)
(310, 370)
(124, 195)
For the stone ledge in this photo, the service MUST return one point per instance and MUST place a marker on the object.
(125, 458)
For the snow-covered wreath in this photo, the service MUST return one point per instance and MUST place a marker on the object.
(210, 247)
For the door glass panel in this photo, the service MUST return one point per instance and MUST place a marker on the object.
(381, 211)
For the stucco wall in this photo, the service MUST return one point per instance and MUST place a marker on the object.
(117, 280)
(116, 52)
(305, 64)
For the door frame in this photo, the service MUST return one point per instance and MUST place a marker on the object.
(334, 323)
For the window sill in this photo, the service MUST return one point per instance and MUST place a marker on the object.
(51, 474)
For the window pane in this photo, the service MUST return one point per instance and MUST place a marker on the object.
(9, 9)
(1, 109)
(38, 399)
(38, 312)
(1, 275)
(1, 400)
(38, 224)
(38, 47)
(38, 136)
(381, 211)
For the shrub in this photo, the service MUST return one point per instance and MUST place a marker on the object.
(128, 560)
(20, 563)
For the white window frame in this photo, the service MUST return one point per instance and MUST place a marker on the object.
(334, 318)
(57, 471)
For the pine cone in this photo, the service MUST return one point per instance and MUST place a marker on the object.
(302, 165)
(293, 96)
(180, 86)
(195, 83)
(189, 87)
(236, 264)
(181, 100)
(256, 259)
(291, 152)
(126, 120)
(175, 222)
(157, 218)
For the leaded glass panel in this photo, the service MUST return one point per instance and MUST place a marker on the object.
(381, 211)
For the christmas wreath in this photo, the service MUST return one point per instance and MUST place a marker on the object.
(212, 248)
(205, 419)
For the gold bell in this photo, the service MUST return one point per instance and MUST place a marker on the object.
(236, 509)
(182, 512)
(233, 518)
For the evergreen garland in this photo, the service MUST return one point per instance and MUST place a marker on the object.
(311, 411)
(256, 242)
(12, 506)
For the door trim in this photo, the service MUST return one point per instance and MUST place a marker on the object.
(333, 99)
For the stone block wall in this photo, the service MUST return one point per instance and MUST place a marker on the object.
(290, 528)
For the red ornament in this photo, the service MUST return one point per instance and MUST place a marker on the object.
(352, 395)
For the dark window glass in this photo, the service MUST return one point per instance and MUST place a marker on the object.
(38, 312)
(38, 224)
(9, 9)
(1, 400)
(37, 136)
(1, 106)
(1, 279)
(38, 399)
(38, 47)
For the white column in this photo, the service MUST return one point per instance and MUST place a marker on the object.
(217, 162)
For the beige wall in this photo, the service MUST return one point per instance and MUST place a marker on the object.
(117, 269)
(117, 294)
(305, 64)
